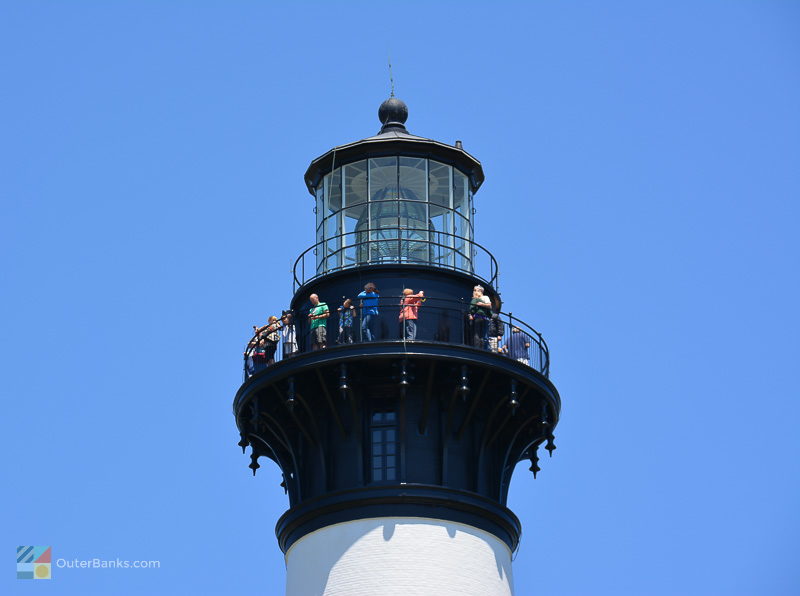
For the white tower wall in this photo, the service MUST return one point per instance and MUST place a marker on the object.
(399, 556)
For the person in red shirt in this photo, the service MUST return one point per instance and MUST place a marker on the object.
(409, 306)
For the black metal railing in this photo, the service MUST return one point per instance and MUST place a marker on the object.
(395, 245)
(439, 320)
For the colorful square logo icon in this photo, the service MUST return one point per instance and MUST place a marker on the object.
(33, 562)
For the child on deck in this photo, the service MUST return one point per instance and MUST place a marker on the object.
(347, 313)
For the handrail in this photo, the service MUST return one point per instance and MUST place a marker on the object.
(336, 252)
(440, 320)
(452, 251)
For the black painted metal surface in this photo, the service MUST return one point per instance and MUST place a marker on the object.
(427, 425)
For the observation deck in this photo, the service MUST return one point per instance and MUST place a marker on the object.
(441, 321)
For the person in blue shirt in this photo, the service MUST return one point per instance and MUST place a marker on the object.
(346, 316)
(518, 345)
(369, 310)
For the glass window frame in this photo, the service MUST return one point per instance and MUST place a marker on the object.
(450, 238)
(379, 449)
(332, 245)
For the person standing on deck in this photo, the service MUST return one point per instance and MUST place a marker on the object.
(409, 307)
(369, 311)
(319, 330)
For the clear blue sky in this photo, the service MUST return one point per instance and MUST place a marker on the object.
(641, 196)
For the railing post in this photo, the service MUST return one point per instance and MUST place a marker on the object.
(510, 324)
(464, 319)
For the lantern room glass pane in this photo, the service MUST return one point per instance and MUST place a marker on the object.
(440, 187)
(415, 225)
(320, 209)
(384, 221)
(440, 193)
(383, 179)
(356, 208)
(460, 196)
(463, 256)
(355, 185)
(333, 191)
(470, 214)
(332, 223)
(413, 185)
(384, 216)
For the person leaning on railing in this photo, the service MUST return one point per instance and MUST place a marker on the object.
(517, 346)
(269, 333)
(288, 333)
(495, 330)
(259, 355)
(369, 310)
(409, 306)
(480, 312)
(347, 313)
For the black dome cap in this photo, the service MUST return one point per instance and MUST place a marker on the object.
(393, 114)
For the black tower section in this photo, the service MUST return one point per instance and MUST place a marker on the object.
(425, 425)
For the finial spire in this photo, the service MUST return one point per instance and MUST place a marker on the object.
(391, 78)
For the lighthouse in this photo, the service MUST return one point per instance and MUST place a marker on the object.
(401, 395)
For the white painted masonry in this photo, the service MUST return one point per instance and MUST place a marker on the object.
(399, 556)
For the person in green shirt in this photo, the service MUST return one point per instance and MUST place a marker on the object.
(317, 315)
(480, 311)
